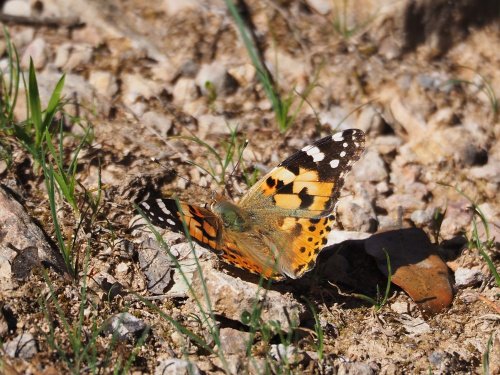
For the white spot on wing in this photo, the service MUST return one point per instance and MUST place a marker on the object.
(338, 137)
(170, 221)
(164, 208)
(161, 218)
(314, 152)
(342, 154)
(145, 205)
(345, 144)
(334, 163)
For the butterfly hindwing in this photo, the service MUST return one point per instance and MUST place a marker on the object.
(202, 225)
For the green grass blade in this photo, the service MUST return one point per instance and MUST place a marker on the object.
(35, 107)
(54, 103)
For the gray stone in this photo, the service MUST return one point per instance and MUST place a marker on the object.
(184, 91)
(357, 215)
(230, 297)
(414, 326)
(339, 236)
(386, 144)
(422, 217)
(458, 218)
(157, 122)
(19, 8)
(369, 121)
(465, 277)
(436, 358)
(175, 366)
(370, 167)
(37, 51)
(355, 368)
(136, 87)
(104, 83)
(19, 236)
(156, 265)
(234, 341)
(408, 203)
(210, 124)
(321, 6)
(174, 7)
(213, 79)
(126, 327)
(22, 346)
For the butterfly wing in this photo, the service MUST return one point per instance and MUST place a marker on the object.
(298, 197)
(202, 225)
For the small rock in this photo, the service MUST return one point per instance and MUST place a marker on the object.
(285, 354)
(17, 8)
(210, 124)
(339, 236)
(223, 290)
(488, 172)
(184, 91)
(337, 115)
(457, 218)
(235, 363)
(174, 7)
(176, 367)
(126, 327)
(369, 121)
(104, 83)
(62, 54)
(213, 79)
(233, 341)
(80, 56)
(17, 234)
(36, 50)
(469, 296)
(386, 222)
(422, 217)
(321, 6)
(465, 277)
(400, 307)
(357, 215)
(158, 122)
(136, 86)
(436, 358)
(370, 167)
(386, 144)
(414, 326)
(408, 202)
(355, 368)
(156, 265)
(23, 346)
(257, 366)
(122, 267)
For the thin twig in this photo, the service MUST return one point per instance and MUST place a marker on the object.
(56, 22)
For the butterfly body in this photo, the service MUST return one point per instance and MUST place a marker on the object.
(280, 225)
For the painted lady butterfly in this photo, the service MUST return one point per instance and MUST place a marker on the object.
(279, 226)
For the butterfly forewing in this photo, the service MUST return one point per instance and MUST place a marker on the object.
(308, 183)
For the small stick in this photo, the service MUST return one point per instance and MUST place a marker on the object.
(69, 22)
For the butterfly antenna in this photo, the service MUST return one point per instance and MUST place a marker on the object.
(238, 162)
(177, 174)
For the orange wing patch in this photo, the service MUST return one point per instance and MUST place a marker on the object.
(307, 237)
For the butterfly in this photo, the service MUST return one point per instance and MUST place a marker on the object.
(280, 225)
